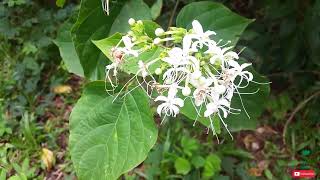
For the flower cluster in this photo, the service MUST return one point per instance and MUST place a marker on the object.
(191, 65)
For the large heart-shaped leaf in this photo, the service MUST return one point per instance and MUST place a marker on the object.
(93, 24)
(110, 138)
(216, 17)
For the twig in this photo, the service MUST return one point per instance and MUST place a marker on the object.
(294, 112)
(172, 14)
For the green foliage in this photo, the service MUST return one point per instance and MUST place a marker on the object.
(93, 24)
(282, 43)
(110, 137)
(228, 25)
(156, 9)
(182, 166)
(67, 50)
(211, 165)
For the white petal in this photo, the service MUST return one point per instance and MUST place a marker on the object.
(127, 42)
(186, 43)
(232, 55)
(234, 64)
(198, 102)
(244, 65)
(197, 27)
(160, 107)
(208, 112)
(172, 91)
(178, 102)
(209, 33)
(161, 98)
(175, 109)
(225, 113)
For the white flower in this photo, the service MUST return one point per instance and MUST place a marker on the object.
(174, 75)
(202, 38)
(171, 104)
(127, 50)
(202, 89)
(221, 55)
(239, 71)
(216, 105)
(180, 57)
(143, 69)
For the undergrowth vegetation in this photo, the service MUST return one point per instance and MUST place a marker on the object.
(37, 93)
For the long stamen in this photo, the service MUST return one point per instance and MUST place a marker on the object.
(225, 125)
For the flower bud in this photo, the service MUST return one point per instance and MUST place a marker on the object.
(130, 33)
(186, 91)
(140, 22)
(157, 41)
(159, 32)
(196, 75)
(158, 71)
(131, 21)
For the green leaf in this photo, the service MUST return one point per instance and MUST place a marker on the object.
(130, 65)
(211, 166)
(198, 161)
(189, 145)
(268, 174)
(93, 24)
(67, 50)
(156, 9)
(182, 166)
(216, 17)
(110, 138)
(60, 3)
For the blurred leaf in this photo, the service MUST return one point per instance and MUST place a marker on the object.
(198, 161)
(268, 174)
(60, 3)
(182, 166)
(156, 9)
(211, 166)
(216, 17)
(29, 48)
(47, 158)
(189, 145)
(93, 24)
(28, 130)
(238, 153)
(110, 137)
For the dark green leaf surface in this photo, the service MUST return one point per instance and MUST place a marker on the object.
(93, 24)
(109, 138)
(216, 17)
